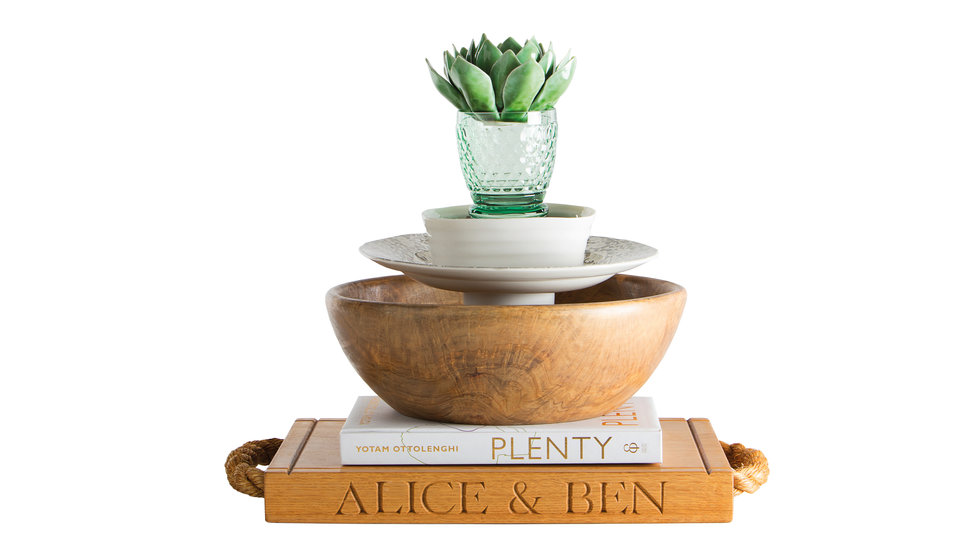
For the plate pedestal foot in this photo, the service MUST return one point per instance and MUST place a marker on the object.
(480, 298)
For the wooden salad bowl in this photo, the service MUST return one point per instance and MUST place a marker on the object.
(429, 356)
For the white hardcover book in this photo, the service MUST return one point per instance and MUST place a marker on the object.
(375, 434)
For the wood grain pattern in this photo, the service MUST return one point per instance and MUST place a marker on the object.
(712, 455)
(291, 446)
(431, 357)
(314, 487)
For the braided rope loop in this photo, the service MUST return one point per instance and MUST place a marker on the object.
(751, 467)
(242, 462)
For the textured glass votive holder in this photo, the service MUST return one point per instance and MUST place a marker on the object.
(507, 165)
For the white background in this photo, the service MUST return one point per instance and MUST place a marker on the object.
(182, 181)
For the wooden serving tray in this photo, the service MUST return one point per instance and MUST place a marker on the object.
(305, 483)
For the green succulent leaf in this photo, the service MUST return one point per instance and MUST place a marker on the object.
(522, 87)
(548, 62)
(537, 47)
(447, 90)
(487, 56)
(510, 44)
(554, 86)
(529, 52)
(462, 53)
(475, 85)
(471, 54)
(564, 59)
(479, 47)
(499, 72)
(449, 71)
(447, 60)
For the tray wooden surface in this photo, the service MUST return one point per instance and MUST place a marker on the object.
(305, 483)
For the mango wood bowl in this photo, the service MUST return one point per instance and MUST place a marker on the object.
(429, 356)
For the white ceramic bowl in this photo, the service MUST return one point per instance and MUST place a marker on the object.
(558, 239)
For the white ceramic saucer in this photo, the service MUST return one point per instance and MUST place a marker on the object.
(604, 257)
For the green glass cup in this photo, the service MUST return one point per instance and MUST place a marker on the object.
(507, 164)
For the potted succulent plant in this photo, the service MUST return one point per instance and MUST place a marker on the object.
(506, 128)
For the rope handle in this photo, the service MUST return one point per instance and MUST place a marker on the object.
(751, 466)
(242, 462)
